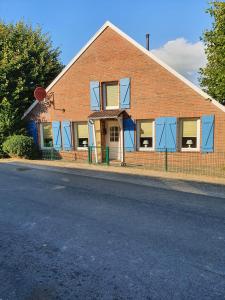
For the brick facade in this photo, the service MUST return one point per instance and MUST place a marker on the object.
(155, 92)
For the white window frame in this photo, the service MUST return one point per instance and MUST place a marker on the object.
(75, 129)
(197, 149)
(42, 136)
(138, 135)
(104, 95)
(114, 135)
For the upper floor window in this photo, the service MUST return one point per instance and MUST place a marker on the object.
(111, 95)
(145, 135)
(46, 135)
(190, 137)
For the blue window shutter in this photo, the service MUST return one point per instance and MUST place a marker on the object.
(66, 135)
(208, 133)
(32, 131)
(128, 129)
(95, 95)
(125, 93)
(160, 134)
(57, 141)
(171, 134)
(90, 132)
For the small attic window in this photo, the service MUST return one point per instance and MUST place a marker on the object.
(111, 95)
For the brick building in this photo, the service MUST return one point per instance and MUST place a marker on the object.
(116, 93)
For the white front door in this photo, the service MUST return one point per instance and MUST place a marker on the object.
(113, 139)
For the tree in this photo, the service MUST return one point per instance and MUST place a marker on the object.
(212, 77)
(27, 59)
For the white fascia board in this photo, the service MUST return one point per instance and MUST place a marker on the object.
(29, 109)
(140, 47)
(164, 65)
(77, 56)
(219, 105)
(68, 66)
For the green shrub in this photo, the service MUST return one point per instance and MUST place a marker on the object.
(20, 146)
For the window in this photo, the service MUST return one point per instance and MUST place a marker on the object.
(190, 130)
(114, 134)
(81, 131)
(145, 135)
(111, 95)
(46, 135)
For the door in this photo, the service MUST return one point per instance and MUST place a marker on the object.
(113, 139)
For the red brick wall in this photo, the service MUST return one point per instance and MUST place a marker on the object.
(155, 91)
(75, 155)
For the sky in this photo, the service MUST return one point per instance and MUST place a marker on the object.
(175, 26)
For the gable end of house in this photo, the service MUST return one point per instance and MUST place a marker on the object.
(143, 50)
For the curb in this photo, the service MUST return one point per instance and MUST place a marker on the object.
(148, 179)
(118, 170)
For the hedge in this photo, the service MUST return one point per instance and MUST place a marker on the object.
(20, 146)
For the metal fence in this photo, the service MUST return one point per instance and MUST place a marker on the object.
(190, 162)
(50, 154)
(98, 155)
(208, 164)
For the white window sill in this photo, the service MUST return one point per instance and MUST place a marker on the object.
(145, 149)
(190, 150)
(67, 150)
(47, 148)
(111, 107)
(82, 148)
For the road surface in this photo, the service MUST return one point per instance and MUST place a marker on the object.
(77, 236)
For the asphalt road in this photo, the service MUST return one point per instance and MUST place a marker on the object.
(74, 236)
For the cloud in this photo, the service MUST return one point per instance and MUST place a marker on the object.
(185, 57)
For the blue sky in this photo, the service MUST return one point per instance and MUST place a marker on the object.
(71, 23)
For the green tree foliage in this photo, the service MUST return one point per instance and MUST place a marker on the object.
(27, 59)
(212, 77)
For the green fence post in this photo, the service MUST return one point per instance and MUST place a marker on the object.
(52, 154)
(89, 154)
(166, 160)
(107, 155)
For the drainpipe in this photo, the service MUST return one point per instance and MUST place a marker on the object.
(94, 139)
(120, 120)
(95, 144)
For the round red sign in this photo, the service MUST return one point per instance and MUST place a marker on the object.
(40, 93)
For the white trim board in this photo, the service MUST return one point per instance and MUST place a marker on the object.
(141, 48)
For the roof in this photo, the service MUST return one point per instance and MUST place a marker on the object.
(106, 114)
(141, 48)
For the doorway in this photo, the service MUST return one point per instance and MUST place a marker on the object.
(113, 140)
